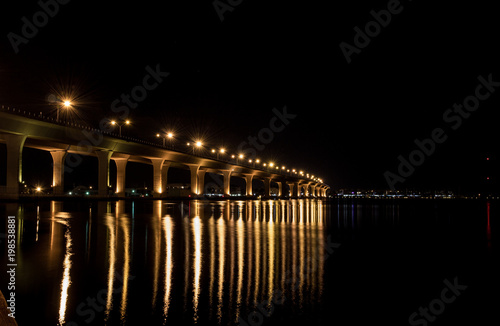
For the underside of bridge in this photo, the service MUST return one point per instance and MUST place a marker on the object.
(68, 146)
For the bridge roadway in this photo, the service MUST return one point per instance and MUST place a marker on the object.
(19, 129)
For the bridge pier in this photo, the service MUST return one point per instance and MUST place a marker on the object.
(15, 145)
(58, 172)
(157, 172)
(121, 166)
(103, 178)
(227, 182)
(248, 180)
(280, 188)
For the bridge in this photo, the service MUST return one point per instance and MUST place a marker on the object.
(20, 129)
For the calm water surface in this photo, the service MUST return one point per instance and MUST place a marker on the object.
(277, 262)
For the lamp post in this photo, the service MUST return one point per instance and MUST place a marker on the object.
(114, 123)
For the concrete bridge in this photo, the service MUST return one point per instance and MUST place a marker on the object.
(19, 129)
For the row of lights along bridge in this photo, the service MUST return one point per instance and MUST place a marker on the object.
(217, 153)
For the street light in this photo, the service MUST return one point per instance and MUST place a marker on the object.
(66, 104)
(114, 123)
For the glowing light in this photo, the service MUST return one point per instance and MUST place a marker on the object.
(113, 122)
(170, 135)
(127, 122)
(67, 104)
(240, 156)
(157, 135)
(232, 156)
(213, 150)
(198, 144)
(249, 161)
(222, 150)
(38, 189)
(257, 161)
(271, 164)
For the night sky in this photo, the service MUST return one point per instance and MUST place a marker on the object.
(352, 120)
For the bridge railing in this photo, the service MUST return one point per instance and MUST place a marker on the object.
(41, 117)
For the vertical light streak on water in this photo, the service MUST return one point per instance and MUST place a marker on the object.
(294, 238)
(302, 256)
(187, 251)
(249, 235)
(264, 249)
(168, 229)
(257, 278)
(197, 237)
(221, 245)
(283, 252)
(125, 224)
(320, 253)
(66, 280)
(240, 229)
(271, 249)
(231, 234)
(211, 239)
(110, 224)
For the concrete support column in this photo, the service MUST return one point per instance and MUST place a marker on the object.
(157, 172)
(299, 189)
(121, 166)
(58, 172)
(15, 145)
(313, 191)
(103, 178)
(248, 179)
(194, 179)
(267, 187)
(280, 188)
(201, 182)
(306, 190)
(293, 189)
(227, 182)
(164, 174)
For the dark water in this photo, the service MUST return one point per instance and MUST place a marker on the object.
(289, 262)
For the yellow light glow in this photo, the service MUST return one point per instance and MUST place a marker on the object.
(157, 135)
(198, 144)
(232, 156)
(67, 104)
(127, 122)
(240, 156)
(213, 150)
(271, 164)
(113, 122)
(222, 150)
(249, 161)
(257, 161)
(38, 189)
(170, 135)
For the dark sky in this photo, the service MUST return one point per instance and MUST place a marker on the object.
(352, 120)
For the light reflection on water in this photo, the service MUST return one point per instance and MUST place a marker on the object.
(219, 259)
